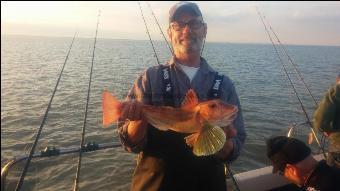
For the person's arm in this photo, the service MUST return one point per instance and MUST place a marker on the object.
(133, 132)
(324, 115)
(132, 135)
(236, 133)
(228, 147)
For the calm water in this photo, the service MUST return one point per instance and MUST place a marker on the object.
(30, 67)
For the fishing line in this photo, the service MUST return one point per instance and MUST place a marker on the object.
(154, 16)
(295, 68)
(23, 174)
(147, 31)
(227, 170)
(76, 181)
(292, 84)
(291, 61)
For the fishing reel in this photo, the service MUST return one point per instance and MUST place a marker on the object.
(294, 127)
(311, 136)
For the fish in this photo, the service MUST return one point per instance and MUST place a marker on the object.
(203, 121)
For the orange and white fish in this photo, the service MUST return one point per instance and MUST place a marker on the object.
(204, 120)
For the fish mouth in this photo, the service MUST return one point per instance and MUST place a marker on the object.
(233, 114)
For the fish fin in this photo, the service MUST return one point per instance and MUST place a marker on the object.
(192, 139)
(223, 122)
(161, 125)
(190, 100)
(208, 141)
(111, 108)
(310, 138)
(226, 121)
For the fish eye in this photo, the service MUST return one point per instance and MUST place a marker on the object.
(213, 105)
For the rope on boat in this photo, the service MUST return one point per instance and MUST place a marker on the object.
(147, 31)
(75, 188)
(23, 174)
(292, 84)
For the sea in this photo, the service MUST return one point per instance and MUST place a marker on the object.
(30, 66)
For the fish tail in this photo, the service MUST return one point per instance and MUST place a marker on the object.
(208, 141)
(111, 108)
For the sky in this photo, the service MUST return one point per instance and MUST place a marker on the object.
(307, 23)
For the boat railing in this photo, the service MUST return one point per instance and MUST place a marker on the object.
(53, 151)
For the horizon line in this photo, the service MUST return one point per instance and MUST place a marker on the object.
(260, 43)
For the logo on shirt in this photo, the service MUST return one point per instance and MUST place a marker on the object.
(168, 88)
(217, 84)
(166, 73)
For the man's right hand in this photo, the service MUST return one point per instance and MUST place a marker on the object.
(131, 110)
(136, 131)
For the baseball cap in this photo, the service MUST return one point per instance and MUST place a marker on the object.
(282, 150)
(181, 7)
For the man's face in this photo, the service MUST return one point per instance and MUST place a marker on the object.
(187, 34)
(293, 174)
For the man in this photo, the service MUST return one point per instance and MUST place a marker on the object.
(293, 159)
(165, 162)
(327, 119)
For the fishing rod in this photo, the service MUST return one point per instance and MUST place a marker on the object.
(52, 152)
(154, 16)
(76, 181)
(228, 171)
(296, 70)
(23, 174)
(147, 31)
(291, 61)
(292, 84)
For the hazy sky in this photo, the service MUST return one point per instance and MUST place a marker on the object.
(309, 23)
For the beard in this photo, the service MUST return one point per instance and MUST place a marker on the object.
(189, 45)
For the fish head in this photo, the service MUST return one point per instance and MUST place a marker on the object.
(217, 112)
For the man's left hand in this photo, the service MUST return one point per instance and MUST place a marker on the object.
(228, 147)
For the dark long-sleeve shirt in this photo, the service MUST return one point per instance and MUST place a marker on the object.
(148, 88)
(323, 178)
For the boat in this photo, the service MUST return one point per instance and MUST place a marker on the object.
(254, 180)
(262, 178)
